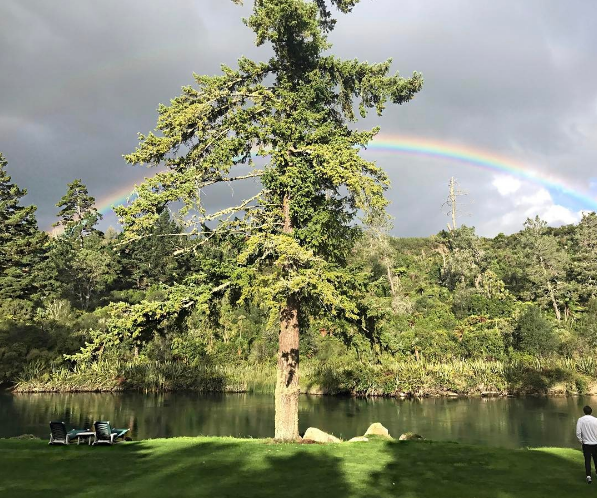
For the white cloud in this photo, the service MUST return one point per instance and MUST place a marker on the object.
(535, 200)
(525, 201)
(506, 185)
(560, 215)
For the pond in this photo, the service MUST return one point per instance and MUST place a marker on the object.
(506, 422)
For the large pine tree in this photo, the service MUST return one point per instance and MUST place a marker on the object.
(286, 122)
(21, 243)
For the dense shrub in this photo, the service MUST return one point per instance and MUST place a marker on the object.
(486, 344)
(469, 302)
(534, 333)
(21, 343)
(430, 344)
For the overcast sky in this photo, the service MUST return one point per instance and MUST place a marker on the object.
(512, 79)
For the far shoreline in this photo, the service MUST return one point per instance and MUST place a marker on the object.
(401, 396)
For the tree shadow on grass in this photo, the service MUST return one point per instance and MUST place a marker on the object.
(427, 469)
(226, 468)
(232, 469)
(181, 468)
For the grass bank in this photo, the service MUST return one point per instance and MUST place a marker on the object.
(153, 376)
(409, 377)
(226, 467)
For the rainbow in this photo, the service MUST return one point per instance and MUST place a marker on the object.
(115, 198)
(466, 155)
(483, 160)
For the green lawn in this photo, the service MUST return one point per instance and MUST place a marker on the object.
(226, 467)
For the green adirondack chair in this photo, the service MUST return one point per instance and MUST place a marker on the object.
(105, 434)
(59, 434)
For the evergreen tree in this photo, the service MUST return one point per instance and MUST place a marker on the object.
(80, 256)
(463, 261)
(587, 326)
(151, 260)
(21, 243)
(584, 260)
(546, 262)
(78, 215)
(292, 113)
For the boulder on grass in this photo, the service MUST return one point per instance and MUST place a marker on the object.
(319, 436)
(410, 436)
(377, 429)
(358, 439)
(25, 436)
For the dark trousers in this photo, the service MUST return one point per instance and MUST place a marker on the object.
(590, 450)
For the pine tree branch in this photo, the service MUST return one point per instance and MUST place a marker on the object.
(254, 174)
(231, 210)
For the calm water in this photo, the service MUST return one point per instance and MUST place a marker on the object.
(507, 422)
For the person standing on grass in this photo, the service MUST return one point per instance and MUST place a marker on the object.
(586, 432)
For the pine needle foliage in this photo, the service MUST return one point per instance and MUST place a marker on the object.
(21, 244)
(286, 123)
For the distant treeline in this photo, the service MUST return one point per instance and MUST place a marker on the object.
(87, 310)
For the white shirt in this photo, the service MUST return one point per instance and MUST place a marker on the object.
(586, 429)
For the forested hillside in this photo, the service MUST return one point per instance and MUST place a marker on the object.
(455, 312)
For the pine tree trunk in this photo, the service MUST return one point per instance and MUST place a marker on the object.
(552, 294)
(390, 276)
(554, 303)
(287, 383)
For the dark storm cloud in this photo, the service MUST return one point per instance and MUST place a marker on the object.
(79, 79)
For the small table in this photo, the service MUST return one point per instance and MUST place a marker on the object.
(89, 435)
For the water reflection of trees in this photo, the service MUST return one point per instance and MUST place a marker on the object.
(149, 416)
(511, 422)
(507, 422)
